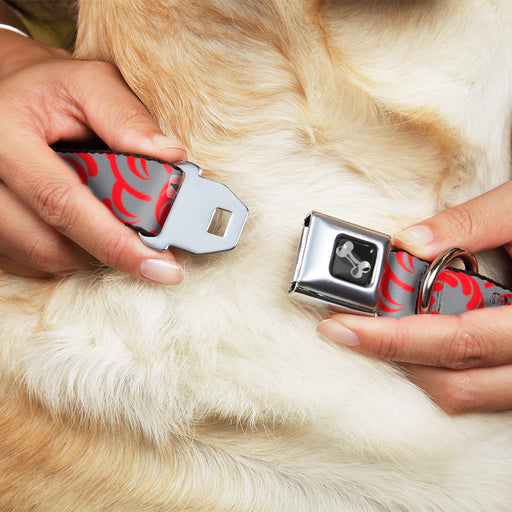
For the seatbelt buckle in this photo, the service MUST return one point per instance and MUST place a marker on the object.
(188, 225)
(339, 265)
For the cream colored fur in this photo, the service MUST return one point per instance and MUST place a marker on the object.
(218, 394)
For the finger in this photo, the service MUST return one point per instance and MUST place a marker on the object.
(14, 267)
(463, 391)
(479, 224)
(474, 339)
(59, 101)
(59, 199)
(30, 243)
(119, 118)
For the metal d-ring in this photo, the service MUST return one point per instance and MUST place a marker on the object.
(436, 267)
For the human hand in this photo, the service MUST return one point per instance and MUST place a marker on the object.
(463, 362)
(50, 222)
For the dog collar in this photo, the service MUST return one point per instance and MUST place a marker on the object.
(170, 204)
(348, 268)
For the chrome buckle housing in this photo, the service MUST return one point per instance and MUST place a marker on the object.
(339, 265)
(188, 222)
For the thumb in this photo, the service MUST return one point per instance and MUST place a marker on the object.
(476, 225)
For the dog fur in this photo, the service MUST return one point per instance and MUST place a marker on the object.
(217, 394)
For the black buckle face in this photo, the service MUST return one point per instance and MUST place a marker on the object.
(353, 260)
(339, 265)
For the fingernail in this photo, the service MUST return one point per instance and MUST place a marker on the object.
(416, 236)
(170, 146)
(338, 333)
(161, 271)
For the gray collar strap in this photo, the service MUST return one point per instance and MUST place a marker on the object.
(340, 265)
(352, 269)
(169, 204)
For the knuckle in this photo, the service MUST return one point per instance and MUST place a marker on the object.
(115, 251)
(460, 394)
(53, 204)
(386, 349)
(390, 345)
(464, 349)
(60, 53)
(98, 68)
(44, 257)
(133, 116)
(461, 220)
(84, 89)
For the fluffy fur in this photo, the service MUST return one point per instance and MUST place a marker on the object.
(218, 395)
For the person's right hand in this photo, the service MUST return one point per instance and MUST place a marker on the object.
(50, 222)
(463, 362)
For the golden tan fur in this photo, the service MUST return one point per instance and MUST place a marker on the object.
(217, 394)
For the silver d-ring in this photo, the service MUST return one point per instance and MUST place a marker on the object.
(436, 267)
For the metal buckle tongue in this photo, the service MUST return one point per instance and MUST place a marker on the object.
(188, 223)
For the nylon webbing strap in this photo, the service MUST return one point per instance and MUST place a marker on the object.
(138, 190)
(454, 291)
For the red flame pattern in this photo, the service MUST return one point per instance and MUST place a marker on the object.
(139, 191)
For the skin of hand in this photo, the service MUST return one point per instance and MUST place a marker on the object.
(51, 223)
(463, 362)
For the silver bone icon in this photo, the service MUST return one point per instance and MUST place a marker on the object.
(358, 267)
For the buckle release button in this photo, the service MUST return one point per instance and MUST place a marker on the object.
(353, 260)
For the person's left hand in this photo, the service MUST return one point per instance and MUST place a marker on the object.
(463, 362)
(52, 223)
